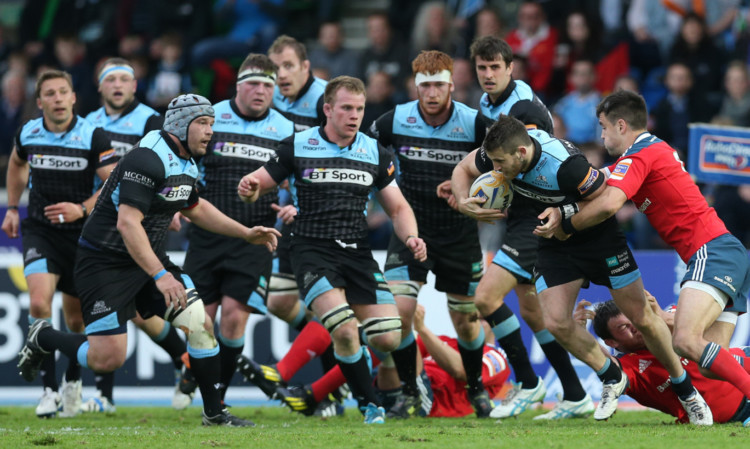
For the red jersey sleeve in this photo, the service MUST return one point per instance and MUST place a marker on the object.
(629, 173)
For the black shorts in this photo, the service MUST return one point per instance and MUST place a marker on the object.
(283, 252)
(454, 257)
(519, 250)
(113, 287)
(221, 265)
(321, 265)
(601, 256)
(50, 250)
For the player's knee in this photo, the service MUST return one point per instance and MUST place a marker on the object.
(487, 301)
(40, 308)
(279, 305)
(686, 345)
(194, 322)
(382, 333)
(75, 323)
(559, 328)
(106, 362)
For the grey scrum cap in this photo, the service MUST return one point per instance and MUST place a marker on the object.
(182, 111)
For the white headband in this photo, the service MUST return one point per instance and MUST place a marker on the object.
(253, 74)
(116, 69)
(444, 76)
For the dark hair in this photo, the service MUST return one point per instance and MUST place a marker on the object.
(489, 47)
(50, 75)
(605, 311)
(626, 105)
(506, 135)
(284, 41)
(353, 85)
(259, 61)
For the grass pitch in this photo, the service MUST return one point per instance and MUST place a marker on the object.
(277, 428)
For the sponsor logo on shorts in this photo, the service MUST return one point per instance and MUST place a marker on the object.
(618, 270)
(31, 254)
(99, 308)
(726, 281)
(621, 169)
(508, 249)
(379, 277)
(138, 178)
(476, 267)
(243, 151)
(309, 279)
(394, 259)
(431, 155)
(177, 193)
(589, 182)
(64, 163)
(337, 175)
(642, 208)
(612, 262)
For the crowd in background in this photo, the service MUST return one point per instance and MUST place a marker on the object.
(688, 58)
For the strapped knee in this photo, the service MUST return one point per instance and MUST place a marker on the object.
(191, 320)
(410, 289)
(461, 306)
(337, 317)
(282, 284)
(372, 327)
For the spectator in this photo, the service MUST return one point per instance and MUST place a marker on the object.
(70, 54)
(253, 25)
(697, 50)
(579, 39)
(578, 108)
(465, 87)
(330, 53)
(626, 82)
(379, 98)
(384, 53)
(535, 40)
(171, 78)
(433, 31)
(488, 23)
(682, 105)
(11, 115)
(653, 29)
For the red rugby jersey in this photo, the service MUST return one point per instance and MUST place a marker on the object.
(653, 176)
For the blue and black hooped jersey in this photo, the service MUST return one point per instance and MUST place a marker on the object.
(239, 146)
(306, 110)
(154, 179)
(126, 129)
(519, 101)
(62, 166)
(428, 154)
(331, 185)
(558, 174)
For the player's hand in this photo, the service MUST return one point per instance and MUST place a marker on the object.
(444, 191)
(419, 318)
(261, 235)
(176, 223)
(174, 292)
(652, 302)
(581, 314)
(417, 247)
(63, 212)
(561, 235)
(249, 189)
(285, 213)
(472, 207)
(10, 223)
(550, 220)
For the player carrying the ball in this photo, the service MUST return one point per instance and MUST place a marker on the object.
(550, 172)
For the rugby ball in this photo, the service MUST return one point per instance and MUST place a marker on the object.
(495, 188)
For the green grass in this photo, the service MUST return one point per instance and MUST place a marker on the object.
(162, 428)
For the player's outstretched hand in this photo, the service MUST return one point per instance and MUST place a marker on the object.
(174, 292)
(261, 235)
(419, 318)
(417, 247)
(444, 191)
(249, 189)
(550, 220)
(472, 207)
(285, 213)
(10, 223)
(581, 314)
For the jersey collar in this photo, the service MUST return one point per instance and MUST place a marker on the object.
(173, 146)
(537, 154)
(322, 133)
(642, 136)
(503, 96)
(306, 87)
(247, 118)
(68, 129)
(129, 108)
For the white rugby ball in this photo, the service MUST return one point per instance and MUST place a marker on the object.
(495, 188)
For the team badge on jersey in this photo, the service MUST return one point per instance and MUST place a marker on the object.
(621, 169)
